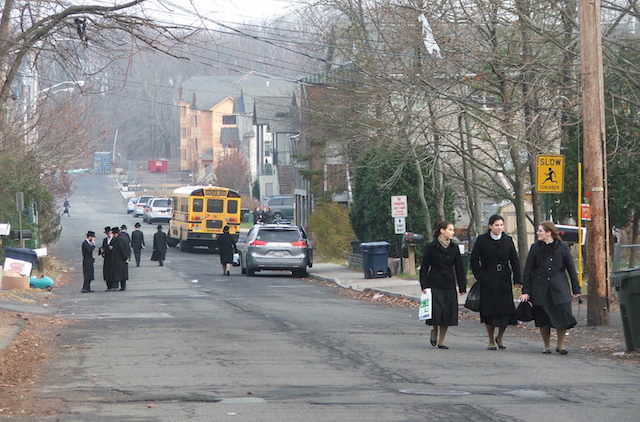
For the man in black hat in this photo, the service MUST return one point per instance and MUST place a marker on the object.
(125, 235)
(120, 261)
(87, 261)
(105, 252)
(137, 243)
(159, 246)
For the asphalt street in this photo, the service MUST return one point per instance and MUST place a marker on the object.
(186, 343)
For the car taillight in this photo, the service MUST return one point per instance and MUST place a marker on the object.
(149, 209)
(300, 243)
(258, 243)
(196, 217)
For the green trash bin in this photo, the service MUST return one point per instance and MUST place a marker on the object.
(627, 285)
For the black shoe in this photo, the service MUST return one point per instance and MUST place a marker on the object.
(112, 289)
(122, 290)
(86, 291)
(492, 348)
(562, 352)
(228, 273)
(432, 340)
(500, 345)
(137, 265)
(442, 346)
(546, 351)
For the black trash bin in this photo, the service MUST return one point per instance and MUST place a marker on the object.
(375, 259)
(627, 285)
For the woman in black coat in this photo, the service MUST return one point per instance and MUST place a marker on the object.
(120, 254)
(546, 285)
(441, 270)
(226, 248)
(494, 262)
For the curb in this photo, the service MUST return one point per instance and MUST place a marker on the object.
(8, 334)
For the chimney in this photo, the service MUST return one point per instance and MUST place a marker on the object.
(193, 101)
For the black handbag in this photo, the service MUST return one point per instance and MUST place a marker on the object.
(524, 312)
(473, 298)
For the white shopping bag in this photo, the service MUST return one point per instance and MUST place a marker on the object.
(425, 305)
(236, 259)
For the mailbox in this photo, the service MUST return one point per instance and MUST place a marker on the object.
(412, 238)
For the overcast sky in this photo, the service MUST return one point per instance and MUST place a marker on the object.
(223, 10)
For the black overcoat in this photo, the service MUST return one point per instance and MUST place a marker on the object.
(87, 260)
(442, 267)
(107, 254)
(120, 255)
(546, 272)
(137, 239)
(495, 266)
(226, 248)
(159, 246)
(127, 239)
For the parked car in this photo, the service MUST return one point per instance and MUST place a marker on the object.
(281, 206)
(131, 204)
(138, 211)
(276, 247)
(157, 209)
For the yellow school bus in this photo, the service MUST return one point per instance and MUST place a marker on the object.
(200, 213)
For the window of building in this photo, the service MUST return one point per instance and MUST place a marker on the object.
(183, 111)
(195, 142)
(229, 120)
(196, 121)
(184, 132)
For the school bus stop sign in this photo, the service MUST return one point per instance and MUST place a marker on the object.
(550, 173)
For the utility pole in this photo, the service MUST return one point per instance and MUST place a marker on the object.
(594, 161)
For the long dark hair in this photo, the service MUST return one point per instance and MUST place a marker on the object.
(548, 226)
(441, 225)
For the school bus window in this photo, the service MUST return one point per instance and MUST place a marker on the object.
(215, 205)
(198, 205)
(232, 207)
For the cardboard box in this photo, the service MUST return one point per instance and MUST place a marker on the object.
(12, 280)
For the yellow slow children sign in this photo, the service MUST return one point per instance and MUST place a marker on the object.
(550, 173)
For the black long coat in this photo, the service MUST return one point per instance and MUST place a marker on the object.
(87, 260)
(226, 247)
(159, 246)
(137, 239)
(120, 255)
(546, 271)
(442, 267)
(494, 264)
(107, 254)
(127, 239)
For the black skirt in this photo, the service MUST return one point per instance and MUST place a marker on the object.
(500, 321)
(558, 316)
(444, 308)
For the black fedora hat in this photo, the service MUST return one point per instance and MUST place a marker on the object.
(136, 225)
(90, 233)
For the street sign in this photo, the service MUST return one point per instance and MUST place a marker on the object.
(585, 212)
(550, 173)
(400, 225)
(399, 206)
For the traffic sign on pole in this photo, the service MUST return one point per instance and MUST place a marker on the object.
(399, 206)
(550, 173)
(400, 225)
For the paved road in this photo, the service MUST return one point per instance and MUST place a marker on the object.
(276, 348)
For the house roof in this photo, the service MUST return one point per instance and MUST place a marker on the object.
(229, 136)
(211, 90)
(278, 113)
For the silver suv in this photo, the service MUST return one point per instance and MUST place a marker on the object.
(158, 209)
(281, 206)
(276, 247)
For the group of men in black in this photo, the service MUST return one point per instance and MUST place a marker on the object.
(116, 251)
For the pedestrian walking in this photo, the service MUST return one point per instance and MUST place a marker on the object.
(226, 248)
(495, 265)
(441, 270)
(545, 284)
(120, 261)
(125, 235)
(106, 252)
(159, 246)
(137, 243)
(88, 245)
(66, 207)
